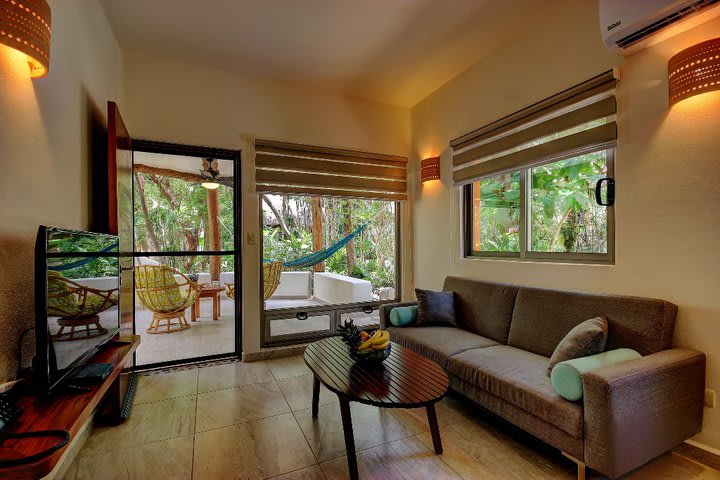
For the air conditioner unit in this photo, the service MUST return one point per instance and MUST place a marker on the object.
(631, 25)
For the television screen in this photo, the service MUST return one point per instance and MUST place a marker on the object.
(76, 299)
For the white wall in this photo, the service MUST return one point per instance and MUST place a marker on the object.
(45, 149)
(667, 215)
(195, 105)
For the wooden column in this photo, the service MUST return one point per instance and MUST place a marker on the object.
(317, 229)
(213, 232)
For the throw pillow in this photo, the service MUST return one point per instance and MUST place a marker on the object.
(585, 339)
(567, 376)
(435, 308)
(403, 316)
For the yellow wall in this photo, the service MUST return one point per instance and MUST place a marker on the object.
(182, 103)
(45, 144)
(668, 200)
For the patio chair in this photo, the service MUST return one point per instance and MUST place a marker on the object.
(160, 292)
(271, 280)
(77, 306)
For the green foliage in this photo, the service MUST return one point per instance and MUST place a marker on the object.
(96, 267)
(565, 216)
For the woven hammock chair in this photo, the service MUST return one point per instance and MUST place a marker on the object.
(159, 291)
(77, 306)
(271, 280)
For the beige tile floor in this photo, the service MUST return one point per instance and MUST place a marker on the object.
(252, 421)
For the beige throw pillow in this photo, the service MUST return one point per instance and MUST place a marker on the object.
(585, 339)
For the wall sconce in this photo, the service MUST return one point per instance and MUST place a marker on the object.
(693, 71)
(430, 169)
(25, 27)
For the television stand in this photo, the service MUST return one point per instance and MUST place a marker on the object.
(66, 412)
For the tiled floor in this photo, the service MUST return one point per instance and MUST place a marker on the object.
(252, 421)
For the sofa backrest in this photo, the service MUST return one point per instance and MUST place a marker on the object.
(542, 317)
(481, 307)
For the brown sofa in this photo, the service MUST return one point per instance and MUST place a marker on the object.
(631, 412)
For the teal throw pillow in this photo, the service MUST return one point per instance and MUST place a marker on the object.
(566, 377)
(403, 316)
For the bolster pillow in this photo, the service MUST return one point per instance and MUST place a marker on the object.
(403, 316)
(566, 377)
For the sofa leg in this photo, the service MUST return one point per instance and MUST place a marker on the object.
(580, 466)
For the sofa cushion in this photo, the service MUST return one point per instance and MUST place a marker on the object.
(435, 308)
(518, 377)
(542, 318)
(484, 308)
(438, 343)
(583, 340)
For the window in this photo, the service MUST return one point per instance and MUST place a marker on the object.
(339, 261)
(543, 212)
(538, 183)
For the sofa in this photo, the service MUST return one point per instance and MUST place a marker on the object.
(630, 413)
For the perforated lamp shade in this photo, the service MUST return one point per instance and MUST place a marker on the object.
(693, 71)
(25, 26)
(430, 169)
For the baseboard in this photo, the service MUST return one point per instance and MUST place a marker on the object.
(699, 453)
(268, 354)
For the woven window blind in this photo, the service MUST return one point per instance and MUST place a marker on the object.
(311, 170)
(578, 120)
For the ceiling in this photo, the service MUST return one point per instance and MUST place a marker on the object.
(391, 51)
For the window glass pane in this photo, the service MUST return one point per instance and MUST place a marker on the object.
(328, 259)
(565, 216)
(496, 214)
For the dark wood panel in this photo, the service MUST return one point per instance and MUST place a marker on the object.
(405, 380)
(60, 411)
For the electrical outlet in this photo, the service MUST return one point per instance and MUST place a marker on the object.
(251, 239)
(709, 398)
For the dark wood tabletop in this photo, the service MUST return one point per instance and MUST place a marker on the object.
(404, 380)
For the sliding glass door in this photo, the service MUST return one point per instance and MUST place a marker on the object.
(186, 256)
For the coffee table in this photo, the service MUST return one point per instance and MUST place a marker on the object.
(404, 380)
(207, 291)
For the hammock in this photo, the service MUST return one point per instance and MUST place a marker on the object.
(321, 255)
(80, 263)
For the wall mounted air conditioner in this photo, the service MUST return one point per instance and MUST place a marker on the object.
(631, 25)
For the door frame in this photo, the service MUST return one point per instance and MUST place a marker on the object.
(152, 146)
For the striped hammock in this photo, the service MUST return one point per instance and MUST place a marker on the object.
(321, 255)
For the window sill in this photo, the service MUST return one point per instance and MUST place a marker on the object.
(557, 260)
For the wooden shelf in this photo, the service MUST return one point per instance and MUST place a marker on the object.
(64, 411)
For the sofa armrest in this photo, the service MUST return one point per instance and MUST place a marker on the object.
(637, 410)
(386, 308)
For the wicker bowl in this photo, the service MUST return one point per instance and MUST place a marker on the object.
(373, 357)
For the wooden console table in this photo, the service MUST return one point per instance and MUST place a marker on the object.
(70, 412)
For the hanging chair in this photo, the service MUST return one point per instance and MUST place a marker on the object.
(77, 306)
(159, 291)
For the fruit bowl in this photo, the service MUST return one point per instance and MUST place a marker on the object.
(369, 356)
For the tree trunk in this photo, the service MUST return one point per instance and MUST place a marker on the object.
(350, 247)
(191, 235)
(279, 217)
(213, 232)
(317, 229)
(152, 236)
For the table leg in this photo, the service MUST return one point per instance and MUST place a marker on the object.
(197, 307)
(316, 396)
(219, 304)
(434, 429)
(349, 438)
(215, 299)
(193, 313)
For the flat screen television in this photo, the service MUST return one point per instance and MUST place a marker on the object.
(77, 276)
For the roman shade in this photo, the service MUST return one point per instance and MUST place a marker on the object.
(312, 170)
(578, 120)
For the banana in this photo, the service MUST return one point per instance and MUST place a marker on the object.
(365, 345)
(383, 337)
(376, 334)
(381, 346)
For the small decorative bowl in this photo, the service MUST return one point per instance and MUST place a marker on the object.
(372, 357)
